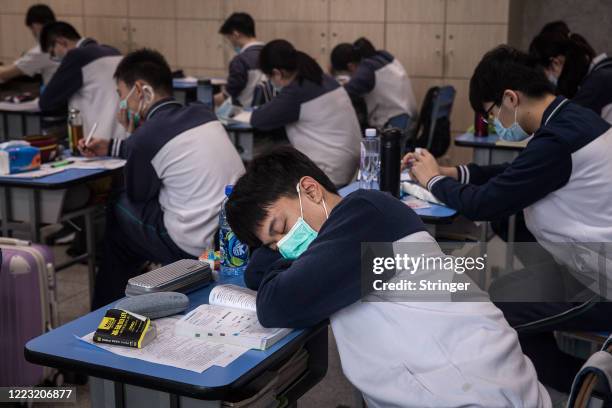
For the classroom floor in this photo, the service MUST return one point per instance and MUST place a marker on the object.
(73, 302)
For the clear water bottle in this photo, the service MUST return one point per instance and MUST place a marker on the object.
(370, 160)
(233, 253)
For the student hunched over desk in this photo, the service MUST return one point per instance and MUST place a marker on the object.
(380, 79)
(314, 109)
(179, 160)
(307, 268)
(572, 65)
(561, 182)
(84, 79)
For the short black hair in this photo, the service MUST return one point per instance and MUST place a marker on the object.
(282, 55)
(558, 26)
(147, 65)
(364, 47)
(503, 68)
(52, 31)
(342, 55)
(268, 178)
(241, 22)
(39, 13)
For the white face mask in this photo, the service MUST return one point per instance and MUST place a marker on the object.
(553, 79)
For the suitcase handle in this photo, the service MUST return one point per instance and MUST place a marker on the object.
(14, 242)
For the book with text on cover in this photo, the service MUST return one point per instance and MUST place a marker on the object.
(230, 318)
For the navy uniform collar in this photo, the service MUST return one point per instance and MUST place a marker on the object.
(161, 105)
(553, 109)
(84, 42)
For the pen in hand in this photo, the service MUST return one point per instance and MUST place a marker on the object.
(90, 135)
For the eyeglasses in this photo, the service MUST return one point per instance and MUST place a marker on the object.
(487, 114)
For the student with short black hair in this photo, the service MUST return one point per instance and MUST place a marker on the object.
(84, 79)
(561, 182)
(307, 269)
(34, 61)
(314, 109)
(244, 73)
(575, 68)
(380, 79)
(179, 160)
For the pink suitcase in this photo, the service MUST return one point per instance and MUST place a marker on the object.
(28, 308)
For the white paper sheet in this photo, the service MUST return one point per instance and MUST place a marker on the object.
(177, 351)
(96, 163)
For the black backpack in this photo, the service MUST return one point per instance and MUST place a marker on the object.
(438, 142)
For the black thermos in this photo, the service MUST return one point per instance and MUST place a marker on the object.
(390, 157)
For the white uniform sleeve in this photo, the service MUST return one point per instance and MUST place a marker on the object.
(34, 62)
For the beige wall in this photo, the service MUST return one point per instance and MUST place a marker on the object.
(439, 41)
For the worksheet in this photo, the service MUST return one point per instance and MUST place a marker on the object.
(177, 351)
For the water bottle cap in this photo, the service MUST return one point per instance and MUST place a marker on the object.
(228, 190)
(370, 132)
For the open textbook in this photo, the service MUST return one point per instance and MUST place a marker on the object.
(230, 318)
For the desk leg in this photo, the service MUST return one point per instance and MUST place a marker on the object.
(5, 127)
(5, 203)
(90, 240)
(510, 243)
(34, 207)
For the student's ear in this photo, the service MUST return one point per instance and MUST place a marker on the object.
(510, 98)
(311, 188)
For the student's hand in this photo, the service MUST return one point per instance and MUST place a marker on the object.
(95, 147)
(126, 120)
(219, 98)
(424, 166)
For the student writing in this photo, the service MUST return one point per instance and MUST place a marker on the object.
(179, 160)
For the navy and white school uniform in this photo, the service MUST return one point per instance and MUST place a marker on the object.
(84, 80)
(178, 163)
(320, 122)
(384, 84)
(182, 157)
(595, 91)
(245, 75)
(561, 182)
(405, 353)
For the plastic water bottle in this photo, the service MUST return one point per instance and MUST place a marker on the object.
(370, 160)
(233, 253)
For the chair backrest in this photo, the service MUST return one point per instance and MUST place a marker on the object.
(432, 130)
(592, 386)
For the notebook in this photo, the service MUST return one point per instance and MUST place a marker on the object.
(230, 318)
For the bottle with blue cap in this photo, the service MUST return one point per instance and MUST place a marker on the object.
(233, 253)
(370, 160)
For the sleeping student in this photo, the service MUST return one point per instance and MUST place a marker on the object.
(314, 109)
(561, 182)
(574, 68)
(380, 79)
(244, 74)
(307, 269)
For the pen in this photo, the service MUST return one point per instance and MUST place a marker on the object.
(91, 132)
(62, 163)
